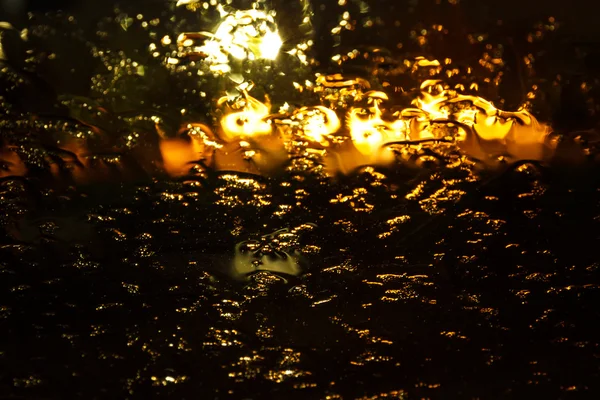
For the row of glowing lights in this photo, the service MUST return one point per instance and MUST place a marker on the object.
(253, 34)
(250, 137)
(249, 129)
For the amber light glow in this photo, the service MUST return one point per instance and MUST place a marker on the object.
(478, 128)
(350, 124)
(244, 116)
(247, 132)
(353, 125)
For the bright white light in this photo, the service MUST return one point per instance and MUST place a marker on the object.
(242, 35)
(270, 45)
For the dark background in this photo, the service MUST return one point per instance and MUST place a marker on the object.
(495, 295)
(580, 16)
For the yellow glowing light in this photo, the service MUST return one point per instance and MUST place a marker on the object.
(480, 130)
(241, 34)
(246, 119)
(316, 123)
(177, 155)
(487, 132)
(270, 45)
(368, 130)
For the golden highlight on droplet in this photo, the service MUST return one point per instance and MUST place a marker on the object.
(179, 155)
(488, 133)
(369, 132)
(245, 117)
(440, 115)
(314, 124)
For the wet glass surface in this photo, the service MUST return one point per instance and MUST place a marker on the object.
(191, 208)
